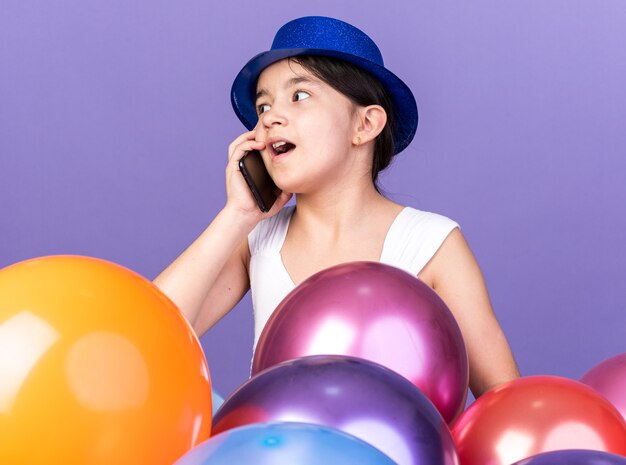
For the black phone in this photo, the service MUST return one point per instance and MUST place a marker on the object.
(259, 180)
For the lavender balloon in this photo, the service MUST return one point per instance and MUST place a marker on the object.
(350, 394)
(376, 312)
(609, 379)
(574, 457)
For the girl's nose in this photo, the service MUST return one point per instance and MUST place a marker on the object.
(273, 117)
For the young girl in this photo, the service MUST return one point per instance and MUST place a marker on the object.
(327, 116)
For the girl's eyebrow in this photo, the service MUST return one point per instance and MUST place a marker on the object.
(290, 83)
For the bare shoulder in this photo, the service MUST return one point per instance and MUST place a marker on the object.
(453, 261)
(454, 274)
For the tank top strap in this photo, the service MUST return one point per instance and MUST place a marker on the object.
(414, 238)
(269, 235)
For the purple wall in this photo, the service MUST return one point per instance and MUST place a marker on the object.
(115, 119)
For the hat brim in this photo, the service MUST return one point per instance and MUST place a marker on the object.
(243, 92)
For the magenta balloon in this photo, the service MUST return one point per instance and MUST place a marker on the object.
(376, 312)
(350, 394)
(609, 379)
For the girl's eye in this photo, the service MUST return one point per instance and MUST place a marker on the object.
(300, 95)
(262, 108)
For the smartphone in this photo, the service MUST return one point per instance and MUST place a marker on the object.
(258, 179)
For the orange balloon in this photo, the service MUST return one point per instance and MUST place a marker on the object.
(537, 414)
(97, 366)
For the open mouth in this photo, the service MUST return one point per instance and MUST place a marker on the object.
(282, 147)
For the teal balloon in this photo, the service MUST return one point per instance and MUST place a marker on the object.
(284, 444)
(217, 401)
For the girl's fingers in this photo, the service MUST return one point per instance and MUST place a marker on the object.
(241, 138)
(241, 150)
(245, 137)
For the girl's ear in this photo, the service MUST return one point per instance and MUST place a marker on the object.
(371, 122)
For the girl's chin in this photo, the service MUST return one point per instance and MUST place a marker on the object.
(299, 183)
(288, 186)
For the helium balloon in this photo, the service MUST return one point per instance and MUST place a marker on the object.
(574, 457)
(353, 395)
(376, 312)
(284, 443)
(537, 414)
(97, 366)
(217, 401)
(609, 379)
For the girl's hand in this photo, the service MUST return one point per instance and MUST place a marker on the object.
(238, 195)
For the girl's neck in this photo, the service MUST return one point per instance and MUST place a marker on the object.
(334, 212)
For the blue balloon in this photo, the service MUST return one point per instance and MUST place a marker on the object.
(217, 401)
(284, 443)
(574, 457)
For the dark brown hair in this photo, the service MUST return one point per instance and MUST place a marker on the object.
(362, 89)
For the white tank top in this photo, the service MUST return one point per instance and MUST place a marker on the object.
(412, 240)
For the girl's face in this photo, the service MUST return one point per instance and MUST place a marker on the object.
(308, 128)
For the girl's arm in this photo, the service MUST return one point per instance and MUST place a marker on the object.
(455, 275)
(208, 279)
